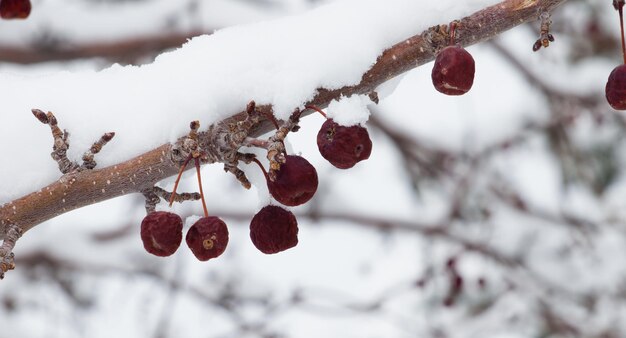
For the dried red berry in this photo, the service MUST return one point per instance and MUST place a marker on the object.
(615, 89)
(295, 182)
(274, 229)
(161, 233)
(343, 146)
(15, 9)
(207, 238)
(453, 73)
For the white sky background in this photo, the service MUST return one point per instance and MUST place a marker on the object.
(215, 76)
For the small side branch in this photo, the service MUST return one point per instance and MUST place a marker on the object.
(233, 168)
(276, 146)
(61, 141)
(7, 257)
(88, 157)
(155, 194)
(545, 37)
(62, 144)
(178, 197)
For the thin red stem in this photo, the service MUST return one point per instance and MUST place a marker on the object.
(620, 9)
(206, 212)
(271, 118)
(452, 32)
(262, 168)
(180, 173)
(317, 109)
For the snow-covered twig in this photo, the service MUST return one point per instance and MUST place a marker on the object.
(61, 141)
(62, 144)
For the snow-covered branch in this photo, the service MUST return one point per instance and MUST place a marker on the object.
(81, 188)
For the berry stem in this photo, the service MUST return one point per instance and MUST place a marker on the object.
(197, 162)
(452, 32)
(317, 109)
(271, 118)
(262, 168)
(180, 173)
(620, 10)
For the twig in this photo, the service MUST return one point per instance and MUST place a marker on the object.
(7, 257)
(88, 161)
(61, 141)
(178, 197)
(155, 194)
(62, 144)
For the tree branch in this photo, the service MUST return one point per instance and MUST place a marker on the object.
(127, 50)
(223, 139)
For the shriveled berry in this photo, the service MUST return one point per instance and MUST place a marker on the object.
(453, 73)
(295, 182)
(15, 9)
(274, 229)
(207, 238)
(343, 146)
(161, 233)
(615, 89)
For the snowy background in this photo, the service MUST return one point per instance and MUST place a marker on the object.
(522, 178)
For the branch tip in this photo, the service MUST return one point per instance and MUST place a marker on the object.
(251, 107)
(194, 125)
(88, 156)
(40, 115)
(108, 136)
(239, 174)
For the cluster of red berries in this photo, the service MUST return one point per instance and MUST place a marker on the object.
(453, 72)
(272, 229)
(615, 89)
(162, 231)
(15, 9)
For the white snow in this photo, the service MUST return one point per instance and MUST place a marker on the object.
(280, 62)
(350, 111)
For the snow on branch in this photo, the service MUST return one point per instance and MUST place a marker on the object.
(222, 140)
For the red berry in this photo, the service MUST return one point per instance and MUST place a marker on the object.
(161, 233)
(615, 89)
(453, 73)
(15, 9)
(295, 182)
(207, 238)
(274, 229)
(343, 146)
